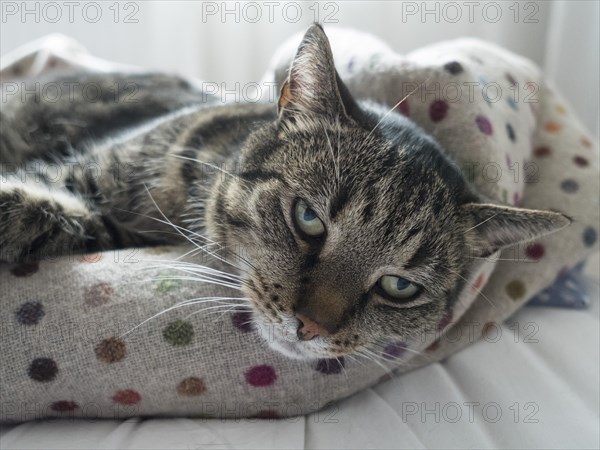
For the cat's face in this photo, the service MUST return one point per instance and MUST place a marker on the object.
(351, 231)
(351, 238)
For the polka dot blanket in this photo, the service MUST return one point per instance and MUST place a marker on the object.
(76, 340)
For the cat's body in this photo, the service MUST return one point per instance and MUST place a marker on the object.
(109, 162)
(356, 229)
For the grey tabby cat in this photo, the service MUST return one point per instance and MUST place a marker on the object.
(356, 227)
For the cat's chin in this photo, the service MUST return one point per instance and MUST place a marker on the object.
(290, 349)
(281, 337)
(283, 343)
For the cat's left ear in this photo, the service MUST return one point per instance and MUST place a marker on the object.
(313, 85)
(493, 227)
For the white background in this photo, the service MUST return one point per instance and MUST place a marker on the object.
(182, 36)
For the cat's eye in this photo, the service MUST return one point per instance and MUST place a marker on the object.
(307, 220)
(398, 288)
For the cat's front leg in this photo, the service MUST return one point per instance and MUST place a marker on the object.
(39, 222)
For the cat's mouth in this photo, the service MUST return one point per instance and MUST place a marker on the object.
(281, 337)
(278, 325)
(292, 347)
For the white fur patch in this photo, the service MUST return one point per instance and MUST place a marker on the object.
(72, 206)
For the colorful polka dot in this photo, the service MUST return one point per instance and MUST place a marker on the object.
(191, 387)
(127, 397)
(511, 102)
(535, 251)
(433, 346)
(516, 289)
(404, 108)
(542, 152)
(350, 65)
(91, 258)
(242, 320)
(64, 406)
(166, 286)
(330, 366)
(552, 127)
(590, 236)
(25, 269)
(511, 79)
(453, 67)
(111, 350)
(510, 131)
(394, 350)
(488, 329)
(178, 333)
(484, 125)
(98, 294)
(42, 369)
(445, 321)
(516, 199)
(478, 282)
(560, 109)
(261, 376)
(581, 161)
(569, 186)
(586, 142)
(30, 313)
(438, 110)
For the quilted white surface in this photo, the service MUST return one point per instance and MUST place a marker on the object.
(511, 393)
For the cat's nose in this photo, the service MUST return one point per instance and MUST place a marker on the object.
(309, 329)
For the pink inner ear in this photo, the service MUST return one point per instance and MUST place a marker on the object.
(286, 96)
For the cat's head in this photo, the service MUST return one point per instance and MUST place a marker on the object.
(354, 227)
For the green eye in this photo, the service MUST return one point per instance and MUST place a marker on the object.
(398, 288)
(306, 219)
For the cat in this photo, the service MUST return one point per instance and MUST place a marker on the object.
(357, 228)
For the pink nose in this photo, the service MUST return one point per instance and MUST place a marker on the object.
(309, 329)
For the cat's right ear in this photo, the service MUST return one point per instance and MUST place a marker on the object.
(494, 227)
(312, 83)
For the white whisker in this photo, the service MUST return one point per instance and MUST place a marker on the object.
(369, 358)
(396, 105)
(176, 306)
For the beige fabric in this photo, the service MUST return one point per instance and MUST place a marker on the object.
(63, 347)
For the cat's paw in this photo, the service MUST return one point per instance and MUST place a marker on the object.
(37, 223)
